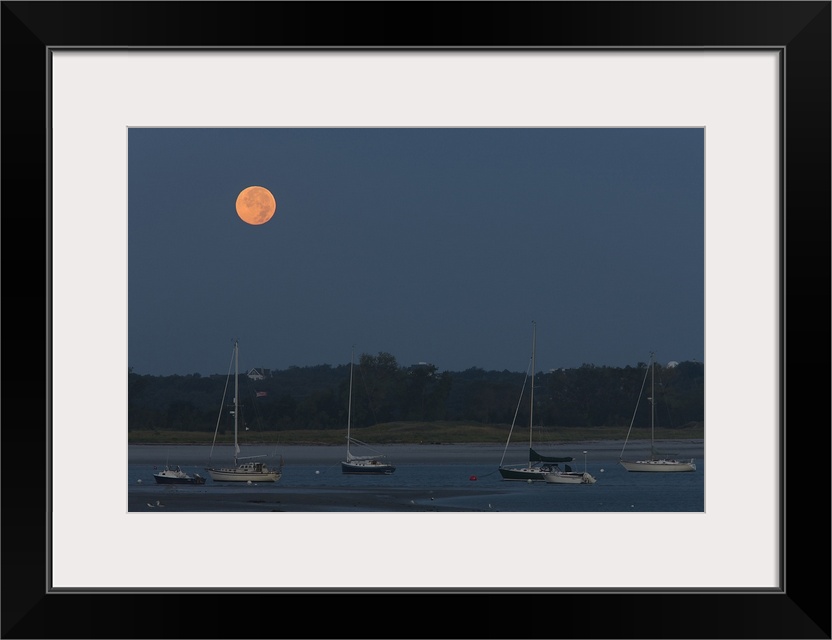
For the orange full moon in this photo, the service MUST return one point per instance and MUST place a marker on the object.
(255, 205)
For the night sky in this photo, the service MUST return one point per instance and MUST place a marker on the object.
(436, 245)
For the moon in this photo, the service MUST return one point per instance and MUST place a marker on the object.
(256, 205)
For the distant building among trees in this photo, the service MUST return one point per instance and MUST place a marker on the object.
(259, 374)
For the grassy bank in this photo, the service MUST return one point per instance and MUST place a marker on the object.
(417, 433)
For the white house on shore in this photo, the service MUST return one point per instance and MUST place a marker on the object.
(259, 374)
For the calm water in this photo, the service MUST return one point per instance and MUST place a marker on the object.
(426, 469)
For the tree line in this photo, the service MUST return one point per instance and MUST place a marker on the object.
(317, 397)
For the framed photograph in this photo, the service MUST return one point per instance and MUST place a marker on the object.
(754, 76)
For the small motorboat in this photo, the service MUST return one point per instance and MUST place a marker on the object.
(556, 476)
(175, 475)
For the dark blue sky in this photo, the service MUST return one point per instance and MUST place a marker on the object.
(435, 245)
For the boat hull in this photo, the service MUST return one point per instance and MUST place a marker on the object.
(237, 475)
(367, 468)
(569, 478)
(658, 466)
(524, 474)
(162, 479)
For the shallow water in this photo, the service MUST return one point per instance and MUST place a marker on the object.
(427, 477)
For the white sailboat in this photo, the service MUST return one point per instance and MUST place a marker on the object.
(538, 465)
(240, 471)
(361, 465)
(657, 462)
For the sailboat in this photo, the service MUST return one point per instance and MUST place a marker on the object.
(240, 471)
(361, 465)
(538, 465)
(657, 461)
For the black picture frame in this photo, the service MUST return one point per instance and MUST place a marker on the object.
(800, 31)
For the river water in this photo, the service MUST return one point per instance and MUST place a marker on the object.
(433, 477)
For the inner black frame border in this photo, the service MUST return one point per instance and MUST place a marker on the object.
(799, 31)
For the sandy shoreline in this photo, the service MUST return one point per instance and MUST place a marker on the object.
(405, 454)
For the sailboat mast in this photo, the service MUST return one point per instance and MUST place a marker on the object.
(652, 400)
(349, 402)
(236, 395)
(531, 395)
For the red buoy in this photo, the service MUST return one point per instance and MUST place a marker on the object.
(473, 478)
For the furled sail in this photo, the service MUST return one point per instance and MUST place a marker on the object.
(352, 457)
(534, 456)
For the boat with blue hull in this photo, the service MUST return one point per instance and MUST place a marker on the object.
(538, 465)
(367, 464)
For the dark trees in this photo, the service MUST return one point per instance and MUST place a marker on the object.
(317, 397)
